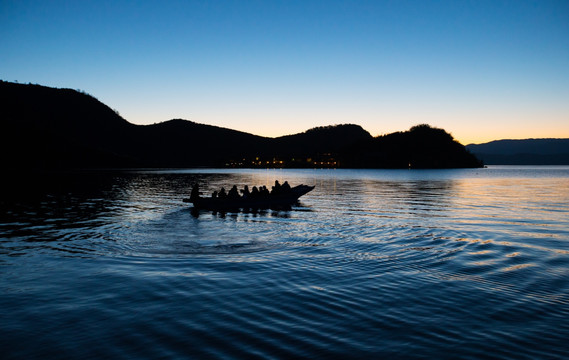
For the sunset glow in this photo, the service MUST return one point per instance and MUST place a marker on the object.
(481, 70)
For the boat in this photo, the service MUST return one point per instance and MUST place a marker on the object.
(280, 200)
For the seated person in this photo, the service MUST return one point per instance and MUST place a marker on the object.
(276, 188)
(195, 194)
(233, 193)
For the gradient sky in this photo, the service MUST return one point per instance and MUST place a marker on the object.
(482, 70)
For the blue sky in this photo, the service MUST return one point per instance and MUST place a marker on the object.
(482, 70)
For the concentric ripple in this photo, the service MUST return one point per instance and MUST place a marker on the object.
(371, 264)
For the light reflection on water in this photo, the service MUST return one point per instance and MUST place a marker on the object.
(372, 262)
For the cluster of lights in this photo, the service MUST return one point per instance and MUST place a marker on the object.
(277, 163)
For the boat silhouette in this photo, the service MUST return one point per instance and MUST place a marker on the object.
(275, 200)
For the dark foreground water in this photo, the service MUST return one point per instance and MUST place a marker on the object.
(371, 264)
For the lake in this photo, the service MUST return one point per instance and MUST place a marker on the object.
(469, 263)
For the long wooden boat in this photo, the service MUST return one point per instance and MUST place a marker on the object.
(282, 200)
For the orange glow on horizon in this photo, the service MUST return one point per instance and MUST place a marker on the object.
(473, 129)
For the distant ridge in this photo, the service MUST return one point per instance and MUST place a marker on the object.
(49, 128)
(523, 152)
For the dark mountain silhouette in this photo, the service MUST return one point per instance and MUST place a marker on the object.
(182, 143)
(47, 128)
(44, 127)
(523, 152)
(420, 147)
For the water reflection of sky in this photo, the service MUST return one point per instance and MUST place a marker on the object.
(411, 253)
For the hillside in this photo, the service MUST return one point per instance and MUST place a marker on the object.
(523, 152)
(420, 147)
(47, 128)
(44, 127)
(60, 128)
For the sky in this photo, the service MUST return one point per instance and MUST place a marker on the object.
(482, 70)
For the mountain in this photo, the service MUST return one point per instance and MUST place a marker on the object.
(420, 147)
(44, 127)
(49, 128)
(523, 152)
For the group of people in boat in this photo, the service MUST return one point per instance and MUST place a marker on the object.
(255, 192)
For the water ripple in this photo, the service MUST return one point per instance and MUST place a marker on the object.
(371, 264)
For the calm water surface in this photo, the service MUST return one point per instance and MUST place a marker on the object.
(371, 264)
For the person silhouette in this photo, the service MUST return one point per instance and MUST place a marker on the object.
(233, 193)
(195, 194)
(276, 188)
